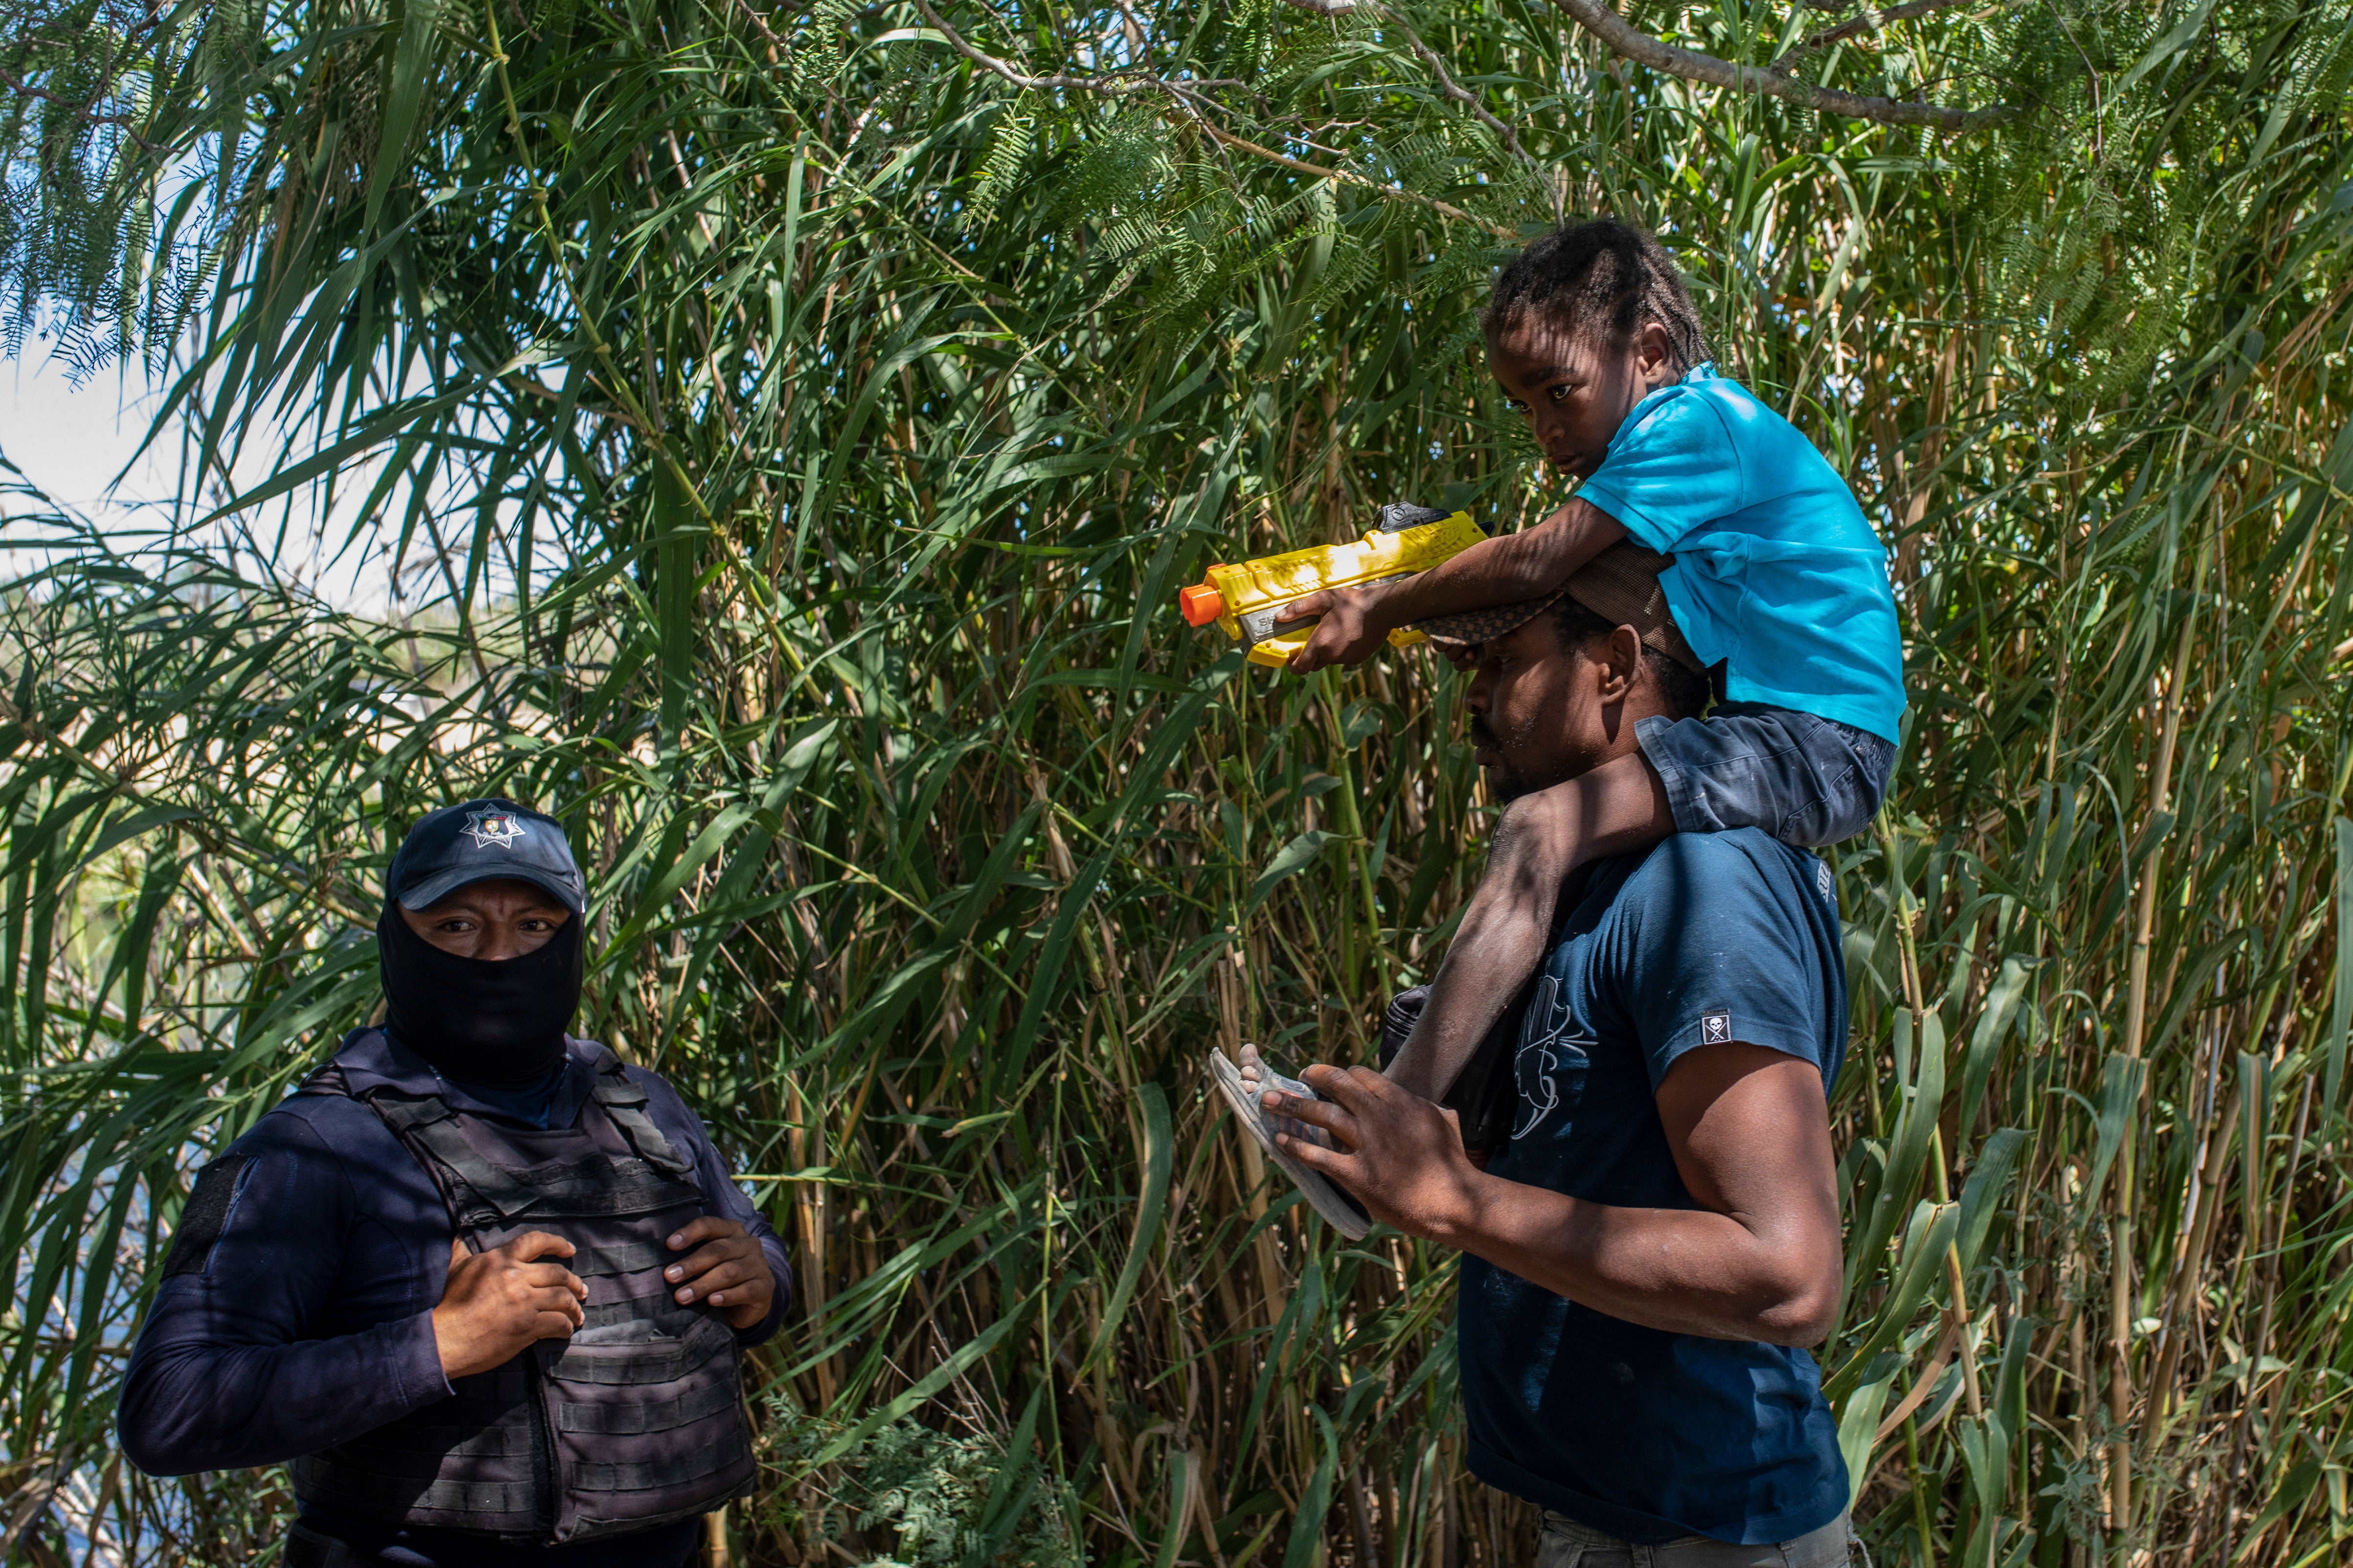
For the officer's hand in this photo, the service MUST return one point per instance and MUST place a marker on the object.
(1350, 631)
(728, 1271)
(499, 1302)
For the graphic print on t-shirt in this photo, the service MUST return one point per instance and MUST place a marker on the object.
(1543, 1064)
(1538, 1095)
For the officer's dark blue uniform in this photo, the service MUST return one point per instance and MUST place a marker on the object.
(295, 1317)
(306, 1318)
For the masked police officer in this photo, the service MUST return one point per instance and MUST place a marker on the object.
(483, 1284)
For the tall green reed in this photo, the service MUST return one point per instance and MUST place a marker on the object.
(868, 411)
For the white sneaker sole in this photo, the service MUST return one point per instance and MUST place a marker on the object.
(1313, 1185)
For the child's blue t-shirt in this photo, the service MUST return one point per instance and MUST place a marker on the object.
(1645, 1434)
(1776, 573)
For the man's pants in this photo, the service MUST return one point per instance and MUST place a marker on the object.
(1568, 1544)
(308, 1548)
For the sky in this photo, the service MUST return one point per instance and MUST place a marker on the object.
(72, 441)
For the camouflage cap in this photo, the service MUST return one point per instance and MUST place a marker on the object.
(1473, 627)
(1620, 585)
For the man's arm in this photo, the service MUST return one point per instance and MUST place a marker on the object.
(225, 1372)
(1503, 570)
(1758, 1259)
(1542, 838)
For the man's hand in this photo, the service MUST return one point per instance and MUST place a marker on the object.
(498, 1302)
(1401, 1155)
(1351, 631)
(1758, 1260)
(728, 1271)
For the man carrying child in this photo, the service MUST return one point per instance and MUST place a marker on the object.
(1775, 580)
(1657, 1237)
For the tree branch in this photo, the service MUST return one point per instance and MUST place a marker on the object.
(1350, 177)
(1446, 84)
(1870, 20)
(1620, 37)
(1430, 57)
(86, 109)
(1114, 83)
(1188, 94)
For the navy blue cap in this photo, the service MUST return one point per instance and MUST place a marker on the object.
(478, 840)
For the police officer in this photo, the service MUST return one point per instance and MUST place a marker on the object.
(485, 1286)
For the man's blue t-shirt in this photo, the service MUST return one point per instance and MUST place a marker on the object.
(1776, 572)
(1648, 1435)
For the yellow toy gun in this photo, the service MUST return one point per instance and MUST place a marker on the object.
(1246, 601)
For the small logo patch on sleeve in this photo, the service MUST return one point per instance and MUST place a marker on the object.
(1714, 1028)
(206, 1216)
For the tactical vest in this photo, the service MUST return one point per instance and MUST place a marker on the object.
(637, 1419)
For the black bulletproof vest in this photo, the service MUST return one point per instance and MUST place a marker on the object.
(633, 1422)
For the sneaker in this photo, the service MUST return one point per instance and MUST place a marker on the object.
(1343, 1213)
(1258, 1076)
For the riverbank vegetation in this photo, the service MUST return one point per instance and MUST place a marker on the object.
(789, 427)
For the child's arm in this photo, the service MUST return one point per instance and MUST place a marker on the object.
(1618, 806)
(1503, 570)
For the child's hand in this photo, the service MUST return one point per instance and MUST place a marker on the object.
(1350, 631)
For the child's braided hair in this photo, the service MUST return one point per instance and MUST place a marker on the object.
(1603, 275)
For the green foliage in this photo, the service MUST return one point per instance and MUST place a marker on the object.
(948, 1500)
(791, 436)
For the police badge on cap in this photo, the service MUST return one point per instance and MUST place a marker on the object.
(477, 840)
(493, 829)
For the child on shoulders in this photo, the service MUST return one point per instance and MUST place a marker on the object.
(1778, 585)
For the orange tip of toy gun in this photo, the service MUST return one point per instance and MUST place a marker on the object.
(1247, 601)
(1201, 603)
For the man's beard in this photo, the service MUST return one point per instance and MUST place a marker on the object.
(1505, 783)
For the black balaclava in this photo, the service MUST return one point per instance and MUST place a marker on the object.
(497, 1022)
